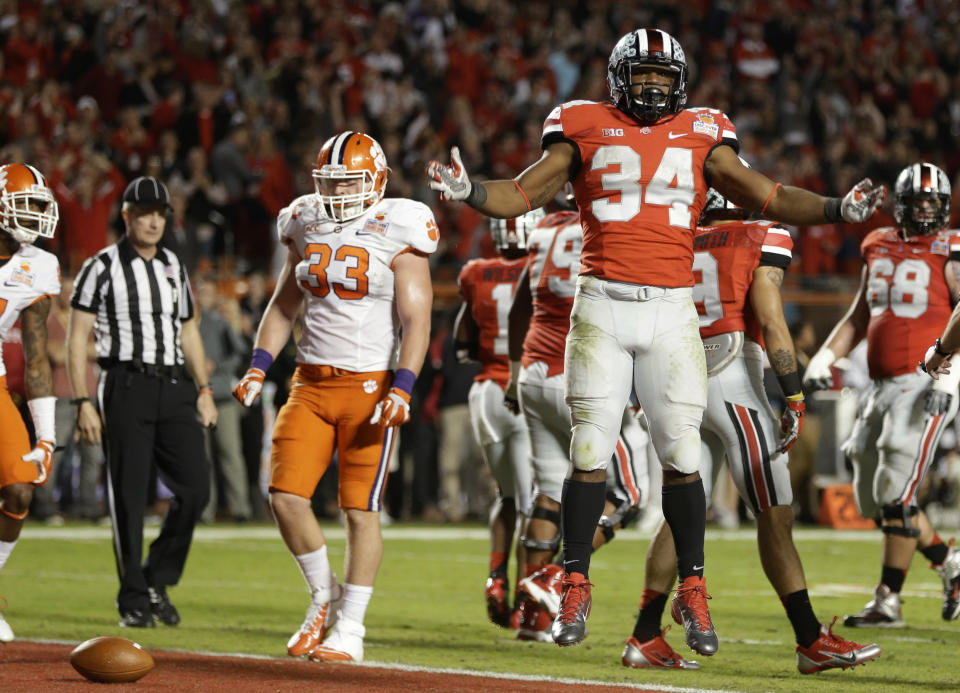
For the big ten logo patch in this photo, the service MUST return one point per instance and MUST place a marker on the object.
(612, 132)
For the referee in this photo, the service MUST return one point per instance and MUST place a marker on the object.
(152, 397)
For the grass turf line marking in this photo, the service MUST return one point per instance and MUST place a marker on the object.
(415, 532)
(443, 670)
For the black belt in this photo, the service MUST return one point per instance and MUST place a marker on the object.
(137, 366)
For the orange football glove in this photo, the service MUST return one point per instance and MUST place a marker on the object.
(42, 456)
(248, 389)
(392, 410)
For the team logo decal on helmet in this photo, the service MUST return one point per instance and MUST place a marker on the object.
(512, 234)
(640, 48)
(344, 159)
(922, 199)
(22, 188)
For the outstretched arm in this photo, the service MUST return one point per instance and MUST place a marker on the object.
(505, 199)
(752, 190)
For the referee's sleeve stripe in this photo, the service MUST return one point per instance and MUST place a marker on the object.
(85, 288)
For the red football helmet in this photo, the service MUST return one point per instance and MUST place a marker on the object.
(21, 186)
(512, 234)
(348, 157)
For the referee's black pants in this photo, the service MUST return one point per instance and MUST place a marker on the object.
(147, 420)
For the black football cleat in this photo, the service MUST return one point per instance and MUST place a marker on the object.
(162, 608)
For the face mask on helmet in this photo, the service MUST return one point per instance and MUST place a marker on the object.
(922, 199)
(638, 52)
(351, 175)
(27, 207)
(512, 234)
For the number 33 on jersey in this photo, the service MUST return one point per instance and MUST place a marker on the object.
(346, 275)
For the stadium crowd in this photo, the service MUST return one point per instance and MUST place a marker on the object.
(229, 102)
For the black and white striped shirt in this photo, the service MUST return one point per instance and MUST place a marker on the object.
(140, 304)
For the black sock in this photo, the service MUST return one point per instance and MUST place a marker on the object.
(649, 618)
(893, 577)
(581, 508)
(936, 553)
(806, 627)
(685, 509)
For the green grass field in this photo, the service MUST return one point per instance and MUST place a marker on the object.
(242, 592)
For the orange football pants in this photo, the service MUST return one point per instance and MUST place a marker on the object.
(14, 442)
(330, 408)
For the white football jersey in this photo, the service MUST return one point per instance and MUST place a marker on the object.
(346, 276)
(29, 275)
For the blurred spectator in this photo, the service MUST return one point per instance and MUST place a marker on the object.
(226, 354)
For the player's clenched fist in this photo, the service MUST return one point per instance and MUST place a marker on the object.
(392, 410)
(249, 387)
(42, 456)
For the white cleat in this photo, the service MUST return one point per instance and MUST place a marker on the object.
(344, 643)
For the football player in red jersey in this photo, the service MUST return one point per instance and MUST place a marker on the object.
(740, 266)
(480, 334)
(640, 166)
(910, 281)
(539, 322)
(29, 277)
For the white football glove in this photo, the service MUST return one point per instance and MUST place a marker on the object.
(249, 387)
(452, 181)
(392, 410)
(818, 375)
(42, 456)
(862, 201)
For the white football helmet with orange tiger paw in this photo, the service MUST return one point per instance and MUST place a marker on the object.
(23, 189)
(344, 159)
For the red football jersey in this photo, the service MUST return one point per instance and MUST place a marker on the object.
(639, 188)
(554, 265)
(908, 296)
(488, 285)
(725, 257)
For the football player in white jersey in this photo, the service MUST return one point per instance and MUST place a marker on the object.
(357, 267)
(29, 277)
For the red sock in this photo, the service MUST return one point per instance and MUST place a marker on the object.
(649, 596)
(498, 562)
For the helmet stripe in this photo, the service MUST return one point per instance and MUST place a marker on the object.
(654, 41)
(339, 148)
(927, 178)
(641, 41)
(667, 44)
(36, 174)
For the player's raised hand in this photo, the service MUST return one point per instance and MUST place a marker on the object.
(452, 181)
(249, 387)
(862, 201)
(392, 410)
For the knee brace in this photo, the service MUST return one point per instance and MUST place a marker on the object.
(623, 515)
(550, 545)
(904, 513)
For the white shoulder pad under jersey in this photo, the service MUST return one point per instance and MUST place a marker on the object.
(28, 276)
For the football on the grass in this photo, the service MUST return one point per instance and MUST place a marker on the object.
(111, 660)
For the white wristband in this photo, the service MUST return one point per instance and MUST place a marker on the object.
(42, 411)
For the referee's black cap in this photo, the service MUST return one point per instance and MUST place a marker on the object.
(147, 190)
